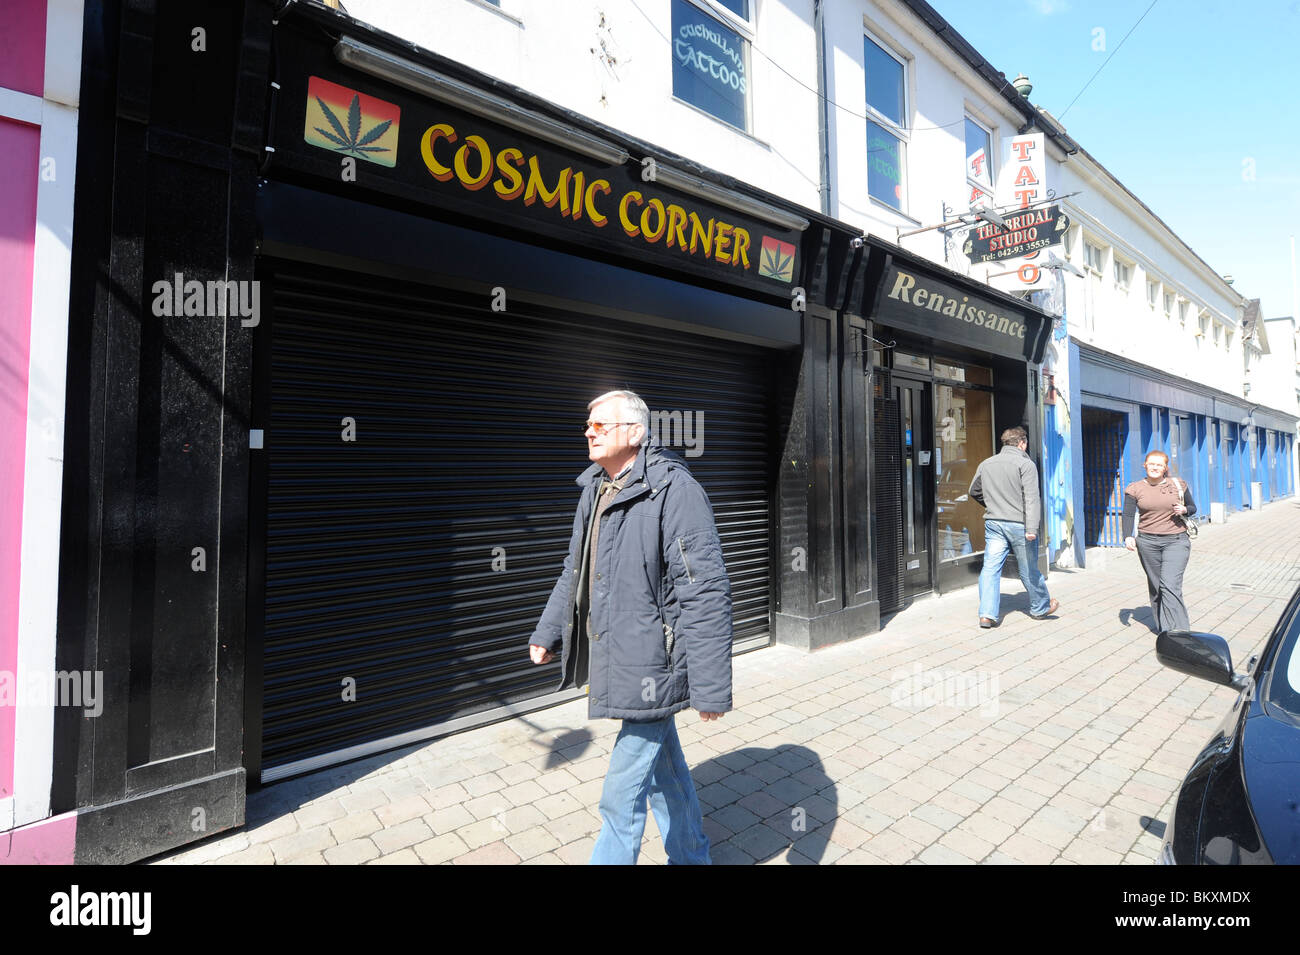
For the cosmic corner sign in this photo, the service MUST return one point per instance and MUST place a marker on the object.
(351, 128)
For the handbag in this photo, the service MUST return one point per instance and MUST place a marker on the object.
(1189, 526)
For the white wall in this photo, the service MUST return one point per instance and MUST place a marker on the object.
(1273, 377)
(528, 44)
(1123, 322)
(942, 91)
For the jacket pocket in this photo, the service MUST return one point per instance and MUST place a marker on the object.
(669, 639)
(681, 547)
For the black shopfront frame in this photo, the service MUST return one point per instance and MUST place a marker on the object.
(162, 409)
(1012, 357)
(1015, 395)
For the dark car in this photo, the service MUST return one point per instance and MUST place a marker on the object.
(1240, 802)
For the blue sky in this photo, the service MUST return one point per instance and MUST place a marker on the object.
(1198, 113)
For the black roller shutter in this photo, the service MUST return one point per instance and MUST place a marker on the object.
(416, 559)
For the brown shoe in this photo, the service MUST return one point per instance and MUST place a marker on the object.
(1051, 609)
(987, 622)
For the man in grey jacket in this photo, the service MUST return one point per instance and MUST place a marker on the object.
(642, 613)
(1007, 486)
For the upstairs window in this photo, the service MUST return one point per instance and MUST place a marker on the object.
(711, 58)
(1153, 293)
(1092, 255)
(886, 136)
(1123, 275)
(979, 164)
(1169, 304)
(1182, 313)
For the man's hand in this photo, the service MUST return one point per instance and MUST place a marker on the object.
(540, 654)
(710, 716)
(1030, 537)
(1130, 543)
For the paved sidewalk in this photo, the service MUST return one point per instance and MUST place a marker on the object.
(1059, 741)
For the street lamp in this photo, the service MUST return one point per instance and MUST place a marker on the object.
(1054, 263)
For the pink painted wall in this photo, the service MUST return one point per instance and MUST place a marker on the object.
(20, 145)
(48, 842)
(22, 46)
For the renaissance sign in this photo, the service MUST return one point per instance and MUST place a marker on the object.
(912, 299)
(1026, 232)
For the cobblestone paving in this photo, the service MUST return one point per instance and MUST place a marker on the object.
(1059, 741)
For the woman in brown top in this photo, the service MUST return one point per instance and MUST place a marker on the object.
(1163, 504)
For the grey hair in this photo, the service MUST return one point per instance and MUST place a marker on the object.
(634, 409)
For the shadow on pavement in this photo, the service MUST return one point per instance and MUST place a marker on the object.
(567, 746)
(266, 803)
(1019, 603)
(1142, 615)
(760, 804)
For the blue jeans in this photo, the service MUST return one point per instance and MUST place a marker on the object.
(1001, 537)
(647, 761)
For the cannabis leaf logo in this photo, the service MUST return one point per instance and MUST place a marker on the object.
(776, 264)
(350, 140)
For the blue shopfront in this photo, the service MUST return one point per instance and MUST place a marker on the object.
(1234, 455)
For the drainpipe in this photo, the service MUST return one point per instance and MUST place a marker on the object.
(823, 112)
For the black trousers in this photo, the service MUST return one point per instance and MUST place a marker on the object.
(1164, 558)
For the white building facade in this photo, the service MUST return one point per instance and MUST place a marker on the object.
(687, 75)
(855, 368)
(880, 115)
(1148, 350)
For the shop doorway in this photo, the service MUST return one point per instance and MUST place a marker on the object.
(1104, 436)
(1219, 462)
(1186, 454)
(1232, 465)
(916, 482)
(904, 496)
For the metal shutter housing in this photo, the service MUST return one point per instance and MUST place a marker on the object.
(413, 562)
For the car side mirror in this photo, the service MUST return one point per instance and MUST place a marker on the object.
(1203, 655)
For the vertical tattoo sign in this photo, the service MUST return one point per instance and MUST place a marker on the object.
(1023, 183)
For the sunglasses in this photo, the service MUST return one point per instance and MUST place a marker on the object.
(603, 427)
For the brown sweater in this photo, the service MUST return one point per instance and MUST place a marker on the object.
(1154, 505)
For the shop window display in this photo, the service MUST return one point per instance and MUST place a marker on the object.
(963, 428)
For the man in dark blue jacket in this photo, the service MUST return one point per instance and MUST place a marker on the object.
(642, 613)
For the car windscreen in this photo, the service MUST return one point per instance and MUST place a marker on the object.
(1284, 684)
